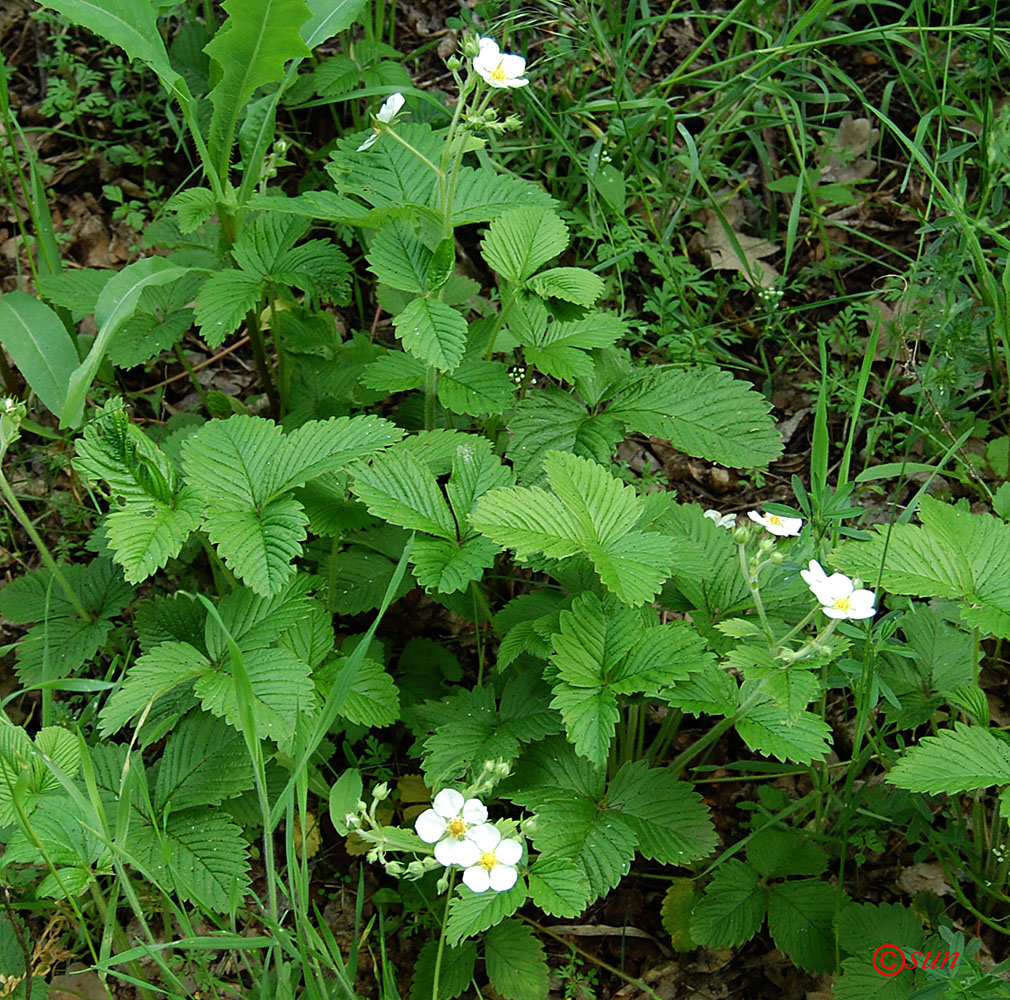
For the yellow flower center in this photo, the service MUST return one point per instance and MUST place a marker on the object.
(498, 74)
(775, 519)
(488, 860)
(843, 604)
(456, 827)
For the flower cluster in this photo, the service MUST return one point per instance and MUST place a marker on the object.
(838, 595)
(462, 836)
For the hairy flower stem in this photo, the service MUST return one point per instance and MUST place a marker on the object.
(751, 581)
(262, 366)
(441, 937)
(430, 397)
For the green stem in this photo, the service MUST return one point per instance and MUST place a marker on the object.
(260, 356)
(331, 576)
(441, 938)
(755, 594)
(430, 397)
(184, 361)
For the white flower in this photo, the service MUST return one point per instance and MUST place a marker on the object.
(390, 107)
(777, 524)
(451, 821)
(837, 594)
(500, 69)
(723, 520)
(494, 867)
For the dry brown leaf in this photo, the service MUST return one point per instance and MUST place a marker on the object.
(844, 159)
(926, 876)
(729, 249)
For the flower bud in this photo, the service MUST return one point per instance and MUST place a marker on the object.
(765, 546)
(380, 792)
(454, 64)
(395, 869)
(778, 558)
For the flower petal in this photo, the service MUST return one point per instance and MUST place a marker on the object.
(508, 852)
(443, 851)
(369, 142)
(474, 812)
(448, 803)
(486, 837)
(390, 106)
(502, 878)
(513, 66)
(476, 879)
(430, 826)
(457, 852)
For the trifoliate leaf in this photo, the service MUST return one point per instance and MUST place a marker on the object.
(591, 513)
(373, 699)
(732, 909)
(702, 411)
(395, 371)
(777, 851)
(362, 577)
(473, 912)
(521, 240)
(193, 207)
(801, 921)
(433, 332)
(482, 195)
(516, 966)
(956, 760)
(449, 567)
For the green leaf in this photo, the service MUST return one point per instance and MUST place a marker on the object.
(433, 332)
(401, 490)
(471, 730)
(956, 760)
(767, 729)
(777, 851)
(591, 513)
(224, 301)
(153, 513)
(702, 411)
(193, 207)
(373, 699)
(204, 763)
(679, 901)
(455, 973)
(281, 688)
(801, 921)
(255, 621)
(361, 580)
(117, 302)
(395, 371)
(398, 258)
(552, 420)
(521, 240)
(482, 195)
(472, 912)
(448, 567)
(248, 51)
(328, 18)
(516, 966)
(345, 793)
(152, 676)
(558, 886)
(573, 284)
(669, 819)
(477, 388)
(954, 554)
(207, 860)
(77, 291)
(733, 908)
(130, 24)
(40, 346)
(861, 981)
(591, 716)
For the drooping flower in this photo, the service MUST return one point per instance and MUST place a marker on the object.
(494, 868)
(450, 824)
(723, 520)
(390, 107)
(499, 69)
(776, 524)
(838, 595)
